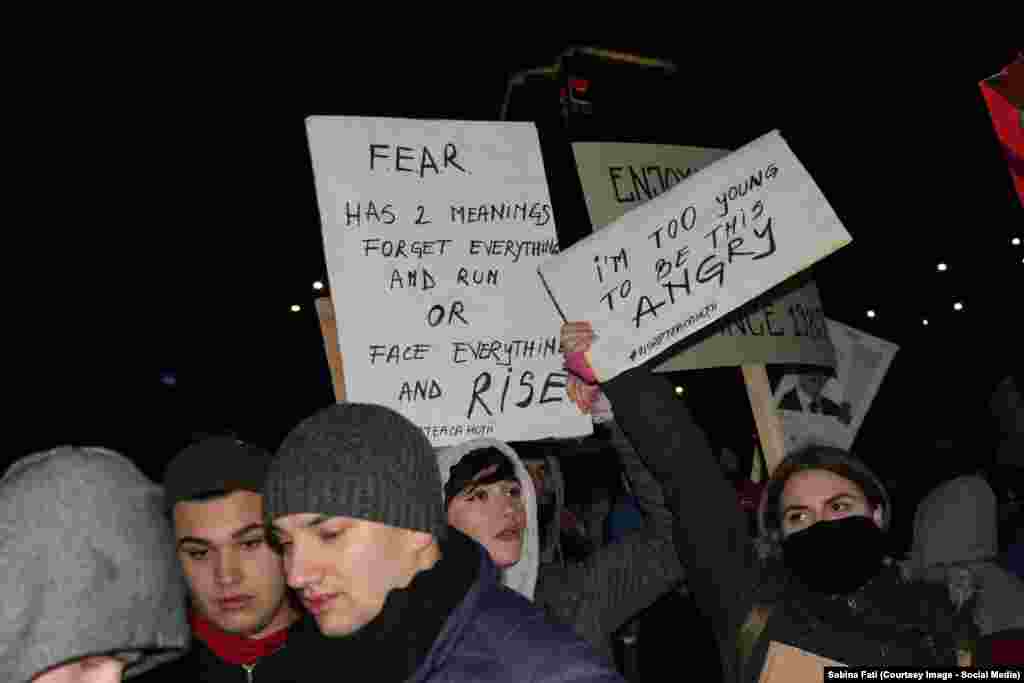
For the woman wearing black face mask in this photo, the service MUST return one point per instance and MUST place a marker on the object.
(825, 587)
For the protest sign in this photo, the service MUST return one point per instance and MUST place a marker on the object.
(787, 664)
(820, 408)
(689, 256)
(432, 233)
(786, 327)
(619, 176)
(329, 331)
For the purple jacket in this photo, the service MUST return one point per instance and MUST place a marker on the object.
(497, 635)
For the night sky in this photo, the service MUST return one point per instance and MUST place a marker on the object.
(167, 221)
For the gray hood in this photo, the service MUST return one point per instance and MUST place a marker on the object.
(522, 576)
(955, 542)
(956, 522)
(87, 564)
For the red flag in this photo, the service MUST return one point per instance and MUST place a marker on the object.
(1004, 95)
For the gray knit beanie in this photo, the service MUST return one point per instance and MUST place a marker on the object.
(358, 460)
(87, 565)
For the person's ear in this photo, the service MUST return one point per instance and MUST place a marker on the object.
(879, 516)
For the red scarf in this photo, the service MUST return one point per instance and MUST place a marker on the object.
(233, 648)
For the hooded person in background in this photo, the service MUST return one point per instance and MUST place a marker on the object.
(488, 490)
(241, 611)
(825, 586)
(354, 502)
(485, 475)
(91, 588)
(1007, 406)
(955, 545)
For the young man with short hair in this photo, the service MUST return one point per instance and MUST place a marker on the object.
(241, 611)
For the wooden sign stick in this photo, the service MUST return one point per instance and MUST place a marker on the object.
(766, 416)
(329, 330)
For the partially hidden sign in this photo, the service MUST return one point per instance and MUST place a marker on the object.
(788, 326)
(619, 176)
(684, 259)
(433, 231)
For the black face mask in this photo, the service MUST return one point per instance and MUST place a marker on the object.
(835, 557)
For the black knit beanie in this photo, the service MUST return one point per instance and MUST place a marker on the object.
(358, 460)
(212, 465)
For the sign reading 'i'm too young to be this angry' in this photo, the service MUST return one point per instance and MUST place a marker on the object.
(673, 265)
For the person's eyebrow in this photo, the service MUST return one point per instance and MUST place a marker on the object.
(235, 534)
(316, 521)
(791, 508)
(840, 496)
(245, 530)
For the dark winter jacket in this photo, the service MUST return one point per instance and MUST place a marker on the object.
(491, 634)
(886, 622)
(203, 666)
(618, 581)
(497, 635)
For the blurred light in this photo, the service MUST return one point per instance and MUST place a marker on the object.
(942, 267)
(318, 285)
(679, 391)
(168, 379)
(871, 314)
(1015, 241)
(925, 322)
(296, 308)
(958, 306)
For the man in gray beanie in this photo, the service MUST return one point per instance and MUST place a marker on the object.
(354, 503)
(91, 587)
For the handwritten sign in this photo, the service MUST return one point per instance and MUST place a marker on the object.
(820, 409)
(684, 259)
(619, 176)
(786, 327)
(432, 232)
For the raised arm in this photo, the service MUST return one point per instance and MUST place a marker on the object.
(710, 530)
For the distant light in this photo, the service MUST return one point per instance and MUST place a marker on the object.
(958, 306)
(169, 379)
(296, 308)
(318, 285)
(679, 391)
(1015, 241)
(925, 322)
(942, 267)
(871, 314)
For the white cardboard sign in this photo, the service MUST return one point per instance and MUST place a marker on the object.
(677, 263)
(433, 231)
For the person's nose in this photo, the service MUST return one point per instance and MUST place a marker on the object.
(299, 570)
(228, 568)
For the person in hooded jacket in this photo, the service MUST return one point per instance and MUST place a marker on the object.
(91, 587)
(956, 546)
(490, 496)
(825, 587)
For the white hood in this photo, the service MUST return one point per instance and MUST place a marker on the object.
(522, 576)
